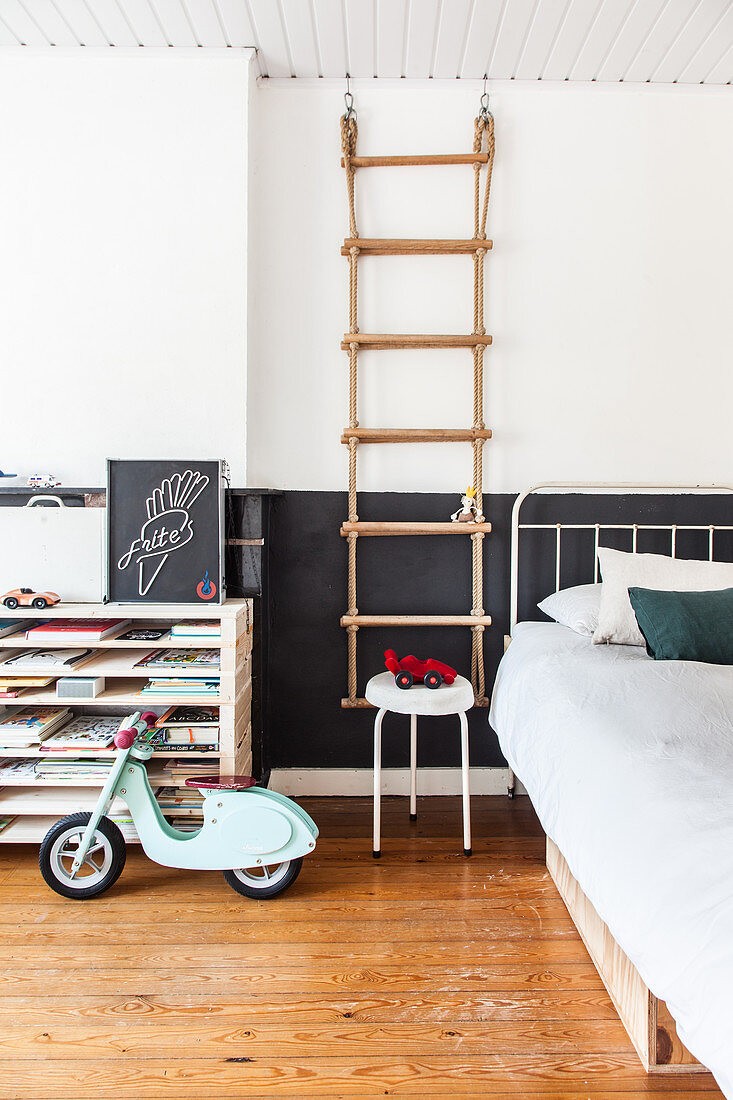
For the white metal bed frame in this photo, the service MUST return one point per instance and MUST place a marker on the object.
(647, 1019)
(564, 488)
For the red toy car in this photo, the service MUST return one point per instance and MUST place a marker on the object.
(406, 671)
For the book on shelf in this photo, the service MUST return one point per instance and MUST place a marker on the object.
(196, 628)
(43, 660)
(71, 769)
(186, 824)
(86, 732)
(175, 799)
(31, 725)
(189, 769)
(75, 630)
(13, 770)
(172, 685)
(182, 715)
(18, 685)
(189, 735)
(143, 634)
(195, 658)
(12, 626)
(161, 746)
(5, 821)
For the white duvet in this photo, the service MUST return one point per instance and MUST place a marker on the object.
(629, 764)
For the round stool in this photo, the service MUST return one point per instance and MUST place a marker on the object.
(456, 698)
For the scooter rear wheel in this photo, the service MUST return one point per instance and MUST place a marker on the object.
(264, 882)
(101, 868)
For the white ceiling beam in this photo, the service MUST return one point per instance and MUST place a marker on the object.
(512, 34)
(701, 20)
(207, 28)
(540, 34)
(421, 37)
(391, 16)
(360, 37)
(331, 37)
(481, 37)
(300, 31)
(707, 55)
(238, 28)
(452, 31)
(635, 30)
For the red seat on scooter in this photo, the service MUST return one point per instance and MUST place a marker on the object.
(222, 782)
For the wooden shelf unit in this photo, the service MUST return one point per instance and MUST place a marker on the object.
(354, 342)
(41, 802)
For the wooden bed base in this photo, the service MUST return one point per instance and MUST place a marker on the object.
(646, 1018)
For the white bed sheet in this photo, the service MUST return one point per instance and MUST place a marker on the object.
(629, 765)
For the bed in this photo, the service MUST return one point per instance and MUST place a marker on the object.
(629, 765)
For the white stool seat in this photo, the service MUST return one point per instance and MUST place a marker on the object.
(456, 698)
(382, 692)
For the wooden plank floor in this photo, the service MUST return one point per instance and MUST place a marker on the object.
(421, 974)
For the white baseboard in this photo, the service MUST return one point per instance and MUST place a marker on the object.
(351, 782)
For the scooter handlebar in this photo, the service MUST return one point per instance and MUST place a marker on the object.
(125, 738)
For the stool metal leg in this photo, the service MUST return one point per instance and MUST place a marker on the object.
(377, 841)
(413, 767)
(466, 790)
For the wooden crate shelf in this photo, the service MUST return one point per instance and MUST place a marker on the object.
(38, 803)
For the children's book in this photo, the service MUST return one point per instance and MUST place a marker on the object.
(196, 658)
(31, 725)
(196, 628)
(43, 660)
(12, 626)
(174, 686)
(143, 634)
(189, 716)
(75, 630)
(86, 732)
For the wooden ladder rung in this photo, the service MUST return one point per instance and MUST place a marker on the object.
(390, 246)
(416, 620)
(364, 704)
(381, 527)
(406, 162)
(384, 341)
(415, 435)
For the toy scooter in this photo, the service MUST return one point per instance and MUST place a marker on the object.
(256, 837)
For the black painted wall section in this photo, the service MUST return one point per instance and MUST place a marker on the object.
(305, 725)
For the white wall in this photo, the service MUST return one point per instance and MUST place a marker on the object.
(608, 290)
(123, 259)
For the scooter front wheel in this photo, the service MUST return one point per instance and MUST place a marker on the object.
(103, 863)
(264, 882)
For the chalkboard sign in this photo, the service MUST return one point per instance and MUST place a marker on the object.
(165, 524)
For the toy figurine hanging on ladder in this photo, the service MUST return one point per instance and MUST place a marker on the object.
(468, 512)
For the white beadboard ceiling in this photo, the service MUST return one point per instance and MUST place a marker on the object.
(659, 41)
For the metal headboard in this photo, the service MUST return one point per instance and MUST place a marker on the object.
(565, 487)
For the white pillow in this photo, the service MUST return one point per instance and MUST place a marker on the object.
(575, 607)
(621, 571)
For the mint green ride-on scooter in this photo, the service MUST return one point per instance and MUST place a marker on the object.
(256, 837)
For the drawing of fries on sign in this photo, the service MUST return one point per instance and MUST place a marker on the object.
(168, 528)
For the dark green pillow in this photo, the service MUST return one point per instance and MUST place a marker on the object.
(686, 626)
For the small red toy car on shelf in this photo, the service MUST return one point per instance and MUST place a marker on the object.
(406, 671)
